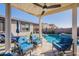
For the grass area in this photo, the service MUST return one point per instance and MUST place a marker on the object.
(1, 46)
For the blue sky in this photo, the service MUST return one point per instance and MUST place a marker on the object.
(61, 19)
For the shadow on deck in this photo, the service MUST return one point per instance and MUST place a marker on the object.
(55, 53)
(50, 53)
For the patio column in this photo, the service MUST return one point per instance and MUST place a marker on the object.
(31, 28)
(40, 28)
(74, 29)
(7, 29)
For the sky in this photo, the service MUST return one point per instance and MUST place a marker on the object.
(61, 19)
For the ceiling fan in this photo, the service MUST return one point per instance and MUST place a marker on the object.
(47, 7)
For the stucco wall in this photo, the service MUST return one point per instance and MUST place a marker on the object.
(13, 29)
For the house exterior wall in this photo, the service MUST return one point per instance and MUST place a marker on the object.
(13, 28)
(49, 26)
(22, 32)
(26, 33)
(36, 28)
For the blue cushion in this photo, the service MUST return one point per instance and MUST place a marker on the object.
(22, 40)
(60, 47)
(66, 39)
(26, 46)
(38, 41)
(35, 39)
(15, 38)
(56, 45)
(2, 35)
(64, 43)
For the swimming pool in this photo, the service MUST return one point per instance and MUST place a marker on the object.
(53, 37)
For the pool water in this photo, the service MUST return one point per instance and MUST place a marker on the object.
(53, 37)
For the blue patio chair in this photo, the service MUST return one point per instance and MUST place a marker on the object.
(2, 37)
(35, 39)
(24, 45)
(64, 44)
(78, 41)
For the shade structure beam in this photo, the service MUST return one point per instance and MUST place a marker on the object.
(8, 29)
(74, 28)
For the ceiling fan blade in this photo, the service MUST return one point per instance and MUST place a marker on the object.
(54, 6)
(42, 12)
(38, 5)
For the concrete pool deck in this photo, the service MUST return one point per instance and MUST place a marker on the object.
(40, 50)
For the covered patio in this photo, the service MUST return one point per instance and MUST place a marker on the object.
(36, 10)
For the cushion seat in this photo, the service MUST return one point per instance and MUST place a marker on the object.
(25, 46)
(64, 44)
(35, 39)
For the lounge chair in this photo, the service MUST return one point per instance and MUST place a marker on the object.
(64, 44)
(35, 40)
(2, 37)
(78, 41)
(23, 45)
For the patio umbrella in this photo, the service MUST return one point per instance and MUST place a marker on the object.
(17, 27)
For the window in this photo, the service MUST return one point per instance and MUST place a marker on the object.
(25, 27)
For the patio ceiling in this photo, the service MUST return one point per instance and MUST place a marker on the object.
(36, 10)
